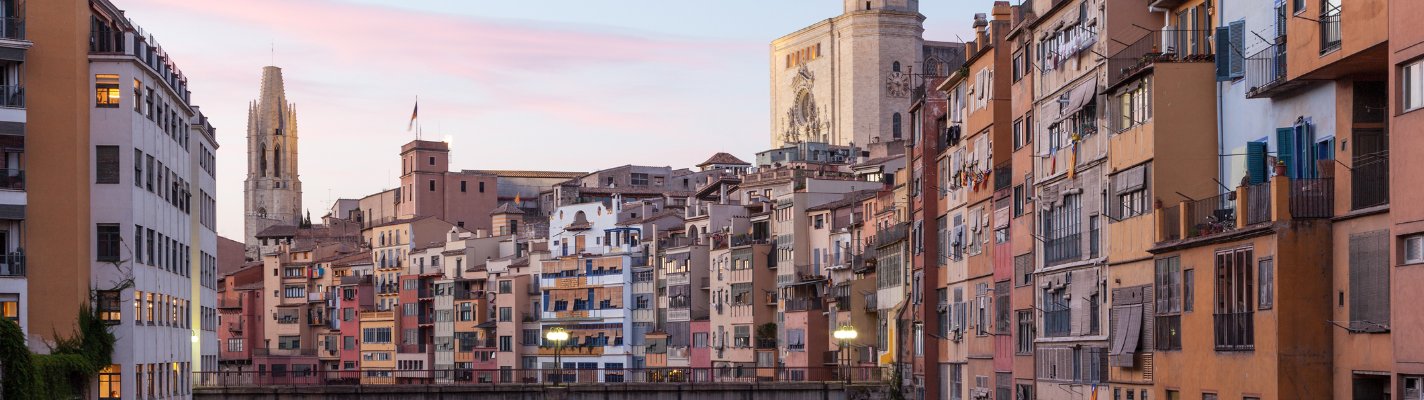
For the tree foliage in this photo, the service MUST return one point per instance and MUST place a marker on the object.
(64, 373)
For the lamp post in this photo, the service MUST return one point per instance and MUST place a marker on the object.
(557, 335)
(845, 334)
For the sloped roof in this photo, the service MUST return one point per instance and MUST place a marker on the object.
(849, 200)
(506, 208)
(527, 174)
(278, 231)
(723, 158)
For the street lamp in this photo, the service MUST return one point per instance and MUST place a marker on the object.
(845, 334)
(557, 335)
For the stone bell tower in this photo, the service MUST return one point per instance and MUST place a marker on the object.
(273, 191)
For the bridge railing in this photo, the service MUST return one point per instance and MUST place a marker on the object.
(546, 376)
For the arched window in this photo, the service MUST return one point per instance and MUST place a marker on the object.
(895, 125)
(262, 164)
(895, 67)
(277, 160)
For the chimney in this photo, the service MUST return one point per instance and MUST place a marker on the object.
(981, 22)
(1002, 10)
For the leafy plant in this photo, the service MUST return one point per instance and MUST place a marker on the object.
(66, 371)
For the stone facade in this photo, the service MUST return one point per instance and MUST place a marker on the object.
(272, 192)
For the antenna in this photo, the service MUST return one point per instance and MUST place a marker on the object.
(272, 51)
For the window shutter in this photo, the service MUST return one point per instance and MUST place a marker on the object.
(1256, 162)
(1237, 39)
(1223, 55)
(1285, 149)
(1369, 281)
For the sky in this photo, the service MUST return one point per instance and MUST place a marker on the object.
(564, 85)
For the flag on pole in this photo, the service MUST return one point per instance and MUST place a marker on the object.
(413, 113)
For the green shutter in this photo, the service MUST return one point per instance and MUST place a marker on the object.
(1223, 53)
(1285, 151)
(1256, 162)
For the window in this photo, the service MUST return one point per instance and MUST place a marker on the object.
(482, 189)
(106, 91)
(10, 307)
(432, 185)
(1061, 226)
(895, 126)
(376, 335)
(1056, 313)
(796, 339)
(289, 342)
(742, 336)
(108, 242)
(151, 172)
(462, 186)
(1024, 336)
(234, 344)
(106, 164)
(1020, 67)
(1411, 90)
(639, 179)
(1234, 318)
(110, 384)
(1265, 274)
(1188, 289)
(1169, 304)
(1018, 134)
(506, 314)
(109, 307)
(294, 291)
(1369, 281)
(506, 343)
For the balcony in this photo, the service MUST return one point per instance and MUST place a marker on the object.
(316, 297)
(748, 240)
(1369, 181)
(387, 288)
(12, 264)
(1063, 249)
(1266, 72)
(1258, 204)
(1170, 45)
(12, 28)
(1312, 198)
(804, 304)
(1329, 29)
(12, 96)
(871, 302)
(891, 235)
(766, 343)
(106, 41)
(1003, 177)
(1212, 215)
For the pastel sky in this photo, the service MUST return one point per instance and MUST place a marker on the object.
(573, 85)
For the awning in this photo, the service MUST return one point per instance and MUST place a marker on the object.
(1077, 98)
(1130, 180)
(1127, 321)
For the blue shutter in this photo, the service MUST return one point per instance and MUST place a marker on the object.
(1223, 53)
(1256, 162)
(1237, 40)
(1285, 150)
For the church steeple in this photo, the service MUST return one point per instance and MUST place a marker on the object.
(273, 190)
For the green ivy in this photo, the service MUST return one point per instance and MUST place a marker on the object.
(62, 374)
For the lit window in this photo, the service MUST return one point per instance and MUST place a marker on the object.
(106, 91)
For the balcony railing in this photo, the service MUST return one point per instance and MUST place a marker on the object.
(1067, 248)
(12, 28)
(1258, 203)
(894, 233)
(748, 239)
(1312, 198)
(12, 96)
(1171, 45)
(1369, 181)
(808, 304)
(1266, 70)
(12, 264)
(106, 41)
(1211, 215)
(1330, 29)
(765, 343)
(1057, 322)
(1235, 331)
(1003, 177)
(871, 302)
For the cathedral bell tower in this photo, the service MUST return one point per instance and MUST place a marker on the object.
(273, 191)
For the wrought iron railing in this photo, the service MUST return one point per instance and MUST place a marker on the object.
(1170, 45)
(1258, 203)
(1063, 249)
(1266, 69)
(1212, 215)
(1172, 223)
(1369, 181)
(12, 264)
(1312, 198)
(1329, 29)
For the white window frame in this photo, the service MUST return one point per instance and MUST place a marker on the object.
(1417, 241)
(1411, 78)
